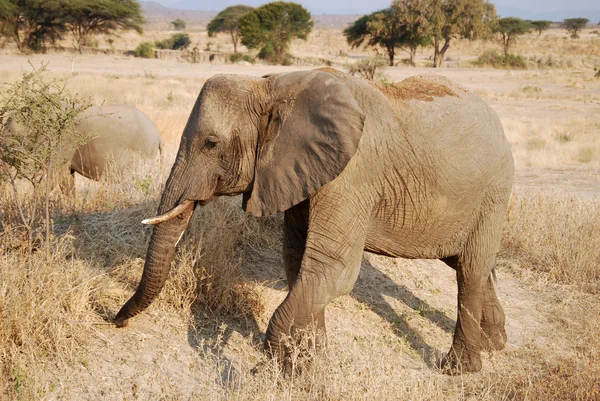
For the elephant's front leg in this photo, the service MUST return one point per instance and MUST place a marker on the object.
(329, 267)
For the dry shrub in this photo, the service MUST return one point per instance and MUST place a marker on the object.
(556, 235)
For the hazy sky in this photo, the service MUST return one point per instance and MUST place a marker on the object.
(548, 9)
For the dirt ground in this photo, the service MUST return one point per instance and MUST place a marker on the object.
(396, 322)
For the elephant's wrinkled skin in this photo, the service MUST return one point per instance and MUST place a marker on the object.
(421, 169)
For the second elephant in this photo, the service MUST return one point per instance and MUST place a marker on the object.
(116, 133)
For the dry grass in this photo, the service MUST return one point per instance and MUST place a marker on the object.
(558, 236)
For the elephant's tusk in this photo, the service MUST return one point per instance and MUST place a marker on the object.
(182, 207)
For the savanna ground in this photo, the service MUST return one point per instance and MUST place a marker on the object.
(203, 336)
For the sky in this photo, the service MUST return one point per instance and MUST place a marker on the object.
(529, 9)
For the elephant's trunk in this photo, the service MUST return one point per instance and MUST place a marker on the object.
(161, 249)
(158, 263)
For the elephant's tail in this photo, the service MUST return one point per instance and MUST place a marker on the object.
(161, 155)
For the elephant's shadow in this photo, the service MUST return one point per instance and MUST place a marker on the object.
(212, 339)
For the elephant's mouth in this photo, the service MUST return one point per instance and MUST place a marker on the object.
(176, 211)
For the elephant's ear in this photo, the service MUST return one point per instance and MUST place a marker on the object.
(308, 137)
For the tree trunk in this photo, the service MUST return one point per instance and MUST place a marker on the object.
(436, 53)
(443, 50)
(391, 53)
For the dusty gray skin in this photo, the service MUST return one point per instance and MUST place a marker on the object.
(116, 132)
(421, 169)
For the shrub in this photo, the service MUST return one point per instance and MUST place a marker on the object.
(236, 57)
(367, 67)
(144, 50)
(178, 41)
(493, 59)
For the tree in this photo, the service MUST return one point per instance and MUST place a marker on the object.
(451, 19)
(32, 23)
(272, 27)
(399, 26)
(509, 28)
(574, 25)
(178, 24)
(541, 25)
(227, 21)
(86, 18)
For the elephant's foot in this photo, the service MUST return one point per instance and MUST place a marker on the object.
(296, 353)
(493, 337)
(457, 362)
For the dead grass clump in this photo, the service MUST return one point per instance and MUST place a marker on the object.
(45, 314)
(556, 235)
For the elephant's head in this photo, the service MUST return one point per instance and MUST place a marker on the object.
(275, 139)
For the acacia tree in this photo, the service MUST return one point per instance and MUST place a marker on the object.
(399, 26)
(574, 26)
(541, 26)
(452, 19)
(86, 18)
(272, 27)
(509, 28)
(227, 21)
(178, 24)
(32, 23)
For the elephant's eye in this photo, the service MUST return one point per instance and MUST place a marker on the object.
(210, 143)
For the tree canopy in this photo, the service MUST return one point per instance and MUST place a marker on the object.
(574, 25)
(272, 27)
(452, 19)
(399, 26)
(85, 18)
(227, 21)
(540, 26)
(34, 23)
(509, 28)
(178, 24)
(408, 24)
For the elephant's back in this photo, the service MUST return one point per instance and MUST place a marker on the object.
(118, 128)
(114, 134)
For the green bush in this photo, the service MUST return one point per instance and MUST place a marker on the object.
(178, 41)
(235, 57)
(144, 50)
(494, 59)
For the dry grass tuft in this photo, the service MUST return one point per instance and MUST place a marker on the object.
(557, 236)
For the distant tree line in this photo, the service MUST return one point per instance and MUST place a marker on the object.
(33, 24)
(409, 24)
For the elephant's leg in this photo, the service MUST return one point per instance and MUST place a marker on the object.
(330, 265)
(493, 337)
(473, 269)
(295, 230)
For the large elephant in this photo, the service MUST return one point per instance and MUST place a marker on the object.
(419, 169)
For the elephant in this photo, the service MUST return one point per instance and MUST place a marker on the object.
(112, 134)
(116, 131)
(416, 169)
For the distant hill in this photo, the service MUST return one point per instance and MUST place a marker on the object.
(154, 12)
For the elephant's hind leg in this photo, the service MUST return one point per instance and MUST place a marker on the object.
(493, 335)
(480, 315)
